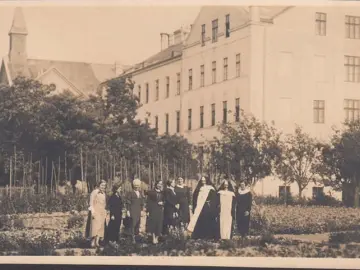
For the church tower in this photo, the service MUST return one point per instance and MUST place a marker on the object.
(17, 52)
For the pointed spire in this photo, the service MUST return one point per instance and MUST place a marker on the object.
(18, 25)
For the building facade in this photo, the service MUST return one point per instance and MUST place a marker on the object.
(284, 65)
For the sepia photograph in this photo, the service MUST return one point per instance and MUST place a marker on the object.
(188, 130)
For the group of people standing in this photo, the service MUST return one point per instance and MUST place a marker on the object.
(214, 211)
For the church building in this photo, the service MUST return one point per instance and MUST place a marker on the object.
(79, 78)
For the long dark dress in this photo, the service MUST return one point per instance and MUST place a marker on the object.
(156, 212)
(170, 210)
(183, 195)
(206, 226)
(134, 204)
(115, 206)
(243, 204)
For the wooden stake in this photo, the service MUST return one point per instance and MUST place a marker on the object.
(65, 165)
(96, 169)
(59, 170)
(11, 174)
(24, 172)
(81, 165)
(52, 177)
(149, 173)
(15, 160)
(46, 173)
(154, 178)
(31, 170)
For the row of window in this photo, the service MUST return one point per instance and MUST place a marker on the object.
(190, 79)
(351, 108)
(201, 119)
(214, 71)
(317, 192)
(215, 30)
(352, 25)
(351, 64)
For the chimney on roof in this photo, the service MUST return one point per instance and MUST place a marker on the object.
(254, 14)
(165, 40)
(181, 34)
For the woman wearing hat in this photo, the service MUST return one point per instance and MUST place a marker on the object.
(115, 206)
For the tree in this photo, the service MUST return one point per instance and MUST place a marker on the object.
(20, 106)
(178, 155)
(247, 149)
(301, 156)
(341, 162)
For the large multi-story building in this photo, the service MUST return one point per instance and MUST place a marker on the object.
(286, 65)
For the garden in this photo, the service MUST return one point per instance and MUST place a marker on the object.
(50, 143)
(276, 230)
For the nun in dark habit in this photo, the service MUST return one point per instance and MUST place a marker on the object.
(203, 223)
(243, 208)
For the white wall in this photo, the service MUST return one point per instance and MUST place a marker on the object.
(163, 105)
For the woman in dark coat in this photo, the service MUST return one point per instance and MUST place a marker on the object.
(243, 209)
(115, 206)
(183, 196)
(203, 224)
(171, 207)
(155, 211)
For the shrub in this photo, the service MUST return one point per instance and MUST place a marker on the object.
(279, 219)
(5, 223)
(69, 252)
(75, 240)
(344, 237)
(75, 221)
(18, 223)
(324, 200)
(86, 252)
(43, 245)
(42, 203)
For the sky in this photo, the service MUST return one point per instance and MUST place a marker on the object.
(128, 34)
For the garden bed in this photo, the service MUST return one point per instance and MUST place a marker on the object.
(304, 219)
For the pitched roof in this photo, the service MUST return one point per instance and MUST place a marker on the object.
(166, 54)
(86, 77)
(243, 12)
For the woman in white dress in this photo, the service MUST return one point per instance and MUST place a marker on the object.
(98, 214)
(226, 209)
